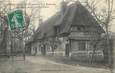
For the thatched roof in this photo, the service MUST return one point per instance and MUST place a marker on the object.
(74, 15)
(46, 29)
(77, 15)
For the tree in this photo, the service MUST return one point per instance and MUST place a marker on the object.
(104, 19)
(6, 35)
(4, 28)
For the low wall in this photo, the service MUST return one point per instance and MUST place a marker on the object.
(87, 55)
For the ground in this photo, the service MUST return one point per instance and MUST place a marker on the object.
(40, 64)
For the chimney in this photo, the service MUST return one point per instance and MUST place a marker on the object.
(63, 6)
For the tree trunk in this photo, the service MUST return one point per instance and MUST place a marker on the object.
(3, 45)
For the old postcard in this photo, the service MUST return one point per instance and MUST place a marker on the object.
(57, 36)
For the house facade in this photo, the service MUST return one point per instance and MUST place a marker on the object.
(76, 29)
(80, 29)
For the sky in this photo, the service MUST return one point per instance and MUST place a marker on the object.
(54, 5)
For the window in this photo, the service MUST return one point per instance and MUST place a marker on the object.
(73, 28)
(57, 30)
(78, 28)
(82, 45)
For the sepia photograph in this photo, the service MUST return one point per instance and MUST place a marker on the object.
(57, 36)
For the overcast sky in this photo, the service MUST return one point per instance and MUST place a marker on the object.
(53, 7)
